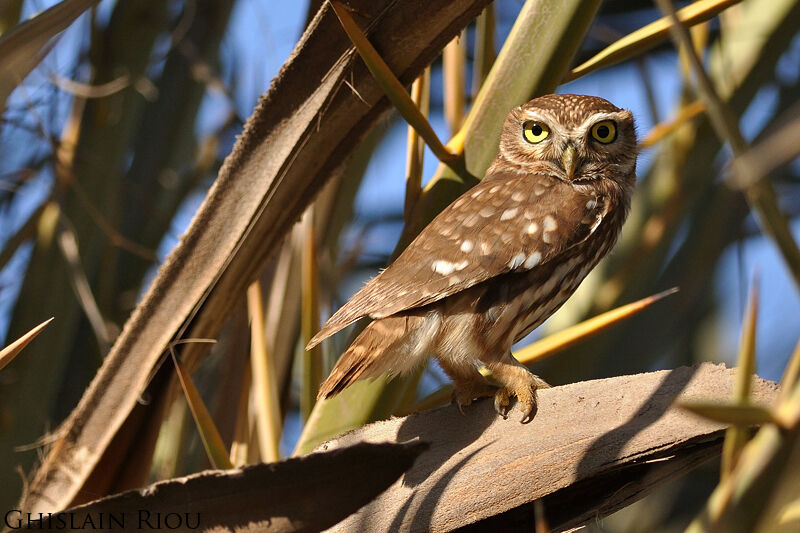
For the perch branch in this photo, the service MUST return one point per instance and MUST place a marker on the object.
(592, 448)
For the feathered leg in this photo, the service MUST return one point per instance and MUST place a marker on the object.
(393, 345)
(468, 383)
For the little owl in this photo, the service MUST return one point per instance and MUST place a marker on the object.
(501, 258)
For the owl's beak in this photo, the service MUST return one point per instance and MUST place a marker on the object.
(569, 160)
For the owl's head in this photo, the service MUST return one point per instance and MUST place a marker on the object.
(571, 137)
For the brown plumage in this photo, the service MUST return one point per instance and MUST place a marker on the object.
(502, 257)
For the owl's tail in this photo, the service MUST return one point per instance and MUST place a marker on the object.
(383, 347)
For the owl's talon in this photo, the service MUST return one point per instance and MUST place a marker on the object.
(501, 402)
(528, 412)
(459, 402)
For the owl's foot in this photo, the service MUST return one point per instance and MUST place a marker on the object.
(468, 383)
(466, 391)
(526, 397)
(520, 382)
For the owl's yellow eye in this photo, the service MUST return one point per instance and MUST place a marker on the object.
(604, 131)
(535, 132)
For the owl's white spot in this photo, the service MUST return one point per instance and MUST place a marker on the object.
(443, 267)
(532, 260)
(458, 203)
(494, 189)
(532, 228)
(453, 280)
(466, 246)
(509, 213)
(529, 214)
(470, 221)
(447, 231)
(486, 248)
(401, 293)
(518, 196)
(548, 225)
(538, 189)
(516, 261)
(591, 204)
(461, 265)
(507, 238)
(486, 211)
(477, 193)
(597, 222)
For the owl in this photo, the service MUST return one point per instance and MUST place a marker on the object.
(501, 258)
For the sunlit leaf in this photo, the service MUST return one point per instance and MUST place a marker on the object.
(790, 514)
(212, 441)
(735, 414)
(663, 129)
(454, 66)
(265, 386)
(415, 149)
(552, 344)
(309, 321)
(746, 366)
(792, 372)
(737, 435)
(8, 353)
(649, 36)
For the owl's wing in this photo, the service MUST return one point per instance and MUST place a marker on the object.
(508, 222)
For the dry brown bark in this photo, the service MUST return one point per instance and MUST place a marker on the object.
(592, 448)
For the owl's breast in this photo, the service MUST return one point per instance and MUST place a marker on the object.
(544, 290)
